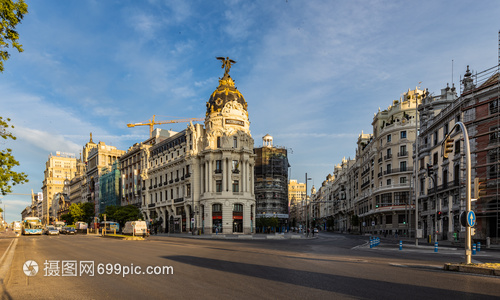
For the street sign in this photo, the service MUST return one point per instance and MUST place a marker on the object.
(471, 218)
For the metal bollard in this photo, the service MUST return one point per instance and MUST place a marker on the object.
(479, 247)
(436, 247)
(400, 245)
(474, 249)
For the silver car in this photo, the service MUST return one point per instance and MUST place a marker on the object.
(51, 230)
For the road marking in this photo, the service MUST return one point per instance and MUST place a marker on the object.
(7, 259)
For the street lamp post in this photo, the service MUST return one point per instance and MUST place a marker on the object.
(468, 250)
(307, 209)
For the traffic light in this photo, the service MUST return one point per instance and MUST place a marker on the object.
(439, 215)
(448, 147)
(430, 170)
(479, 187)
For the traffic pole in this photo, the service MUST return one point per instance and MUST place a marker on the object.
(436, 247)
(400, 245)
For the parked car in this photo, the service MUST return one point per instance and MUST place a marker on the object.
(316, 230)
(51, 230)
(68, 230)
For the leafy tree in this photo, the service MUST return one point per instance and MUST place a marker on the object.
(8, 177)
(76, 212)
(68, 218)
(88, 212)
(126, 213)
(11, 14)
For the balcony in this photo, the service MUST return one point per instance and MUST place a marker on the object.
(389, 156)
(398, 170)
(182, 178)
(380, 160)
(151, 205)
(178, 200)
(403, 154)
(188, 175)
(176, 179)
(218, 171)
(171, 181)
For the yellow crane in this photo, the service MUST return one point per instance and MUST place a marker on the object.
(152, 122)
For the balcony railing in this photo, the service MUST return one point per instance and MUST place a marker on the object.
(402, 154)
(389, 156)
(398, 170)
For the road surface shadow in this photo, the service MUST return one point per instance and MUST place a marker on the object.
(355, 287)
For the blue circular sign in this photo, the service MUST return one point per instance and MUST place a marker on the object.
(471, 218)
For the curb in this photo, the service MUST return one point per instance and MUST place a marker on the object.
(471, 269)
(126, 238)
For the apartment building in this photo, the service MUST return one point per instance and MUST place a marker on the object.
(59, 170)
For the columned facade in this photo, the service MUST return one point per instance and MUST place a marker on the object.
(202, 178)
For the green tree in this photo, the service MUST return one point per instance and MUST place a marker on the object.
(68, 218)
(8, 177)
(126, 213)
(76, 212)
(11, 14)
(88, 212)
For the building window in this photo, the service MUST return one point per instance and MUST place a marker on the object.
(493, 168)
(188, 190)
(401, 198)
(402, 180)
(403, 134)
(218, 186)
(435, 159)
(236, 186)
(445, 129)
(457, 147)
(389, 182)
(238, 208)
(235, 142)
(402, 150)
(236, 165)
(218, 166)
(218, 142)
(493, 135)
(402, 166)
(435, 138)
(217, 208)
(494, 107)
(388, 138)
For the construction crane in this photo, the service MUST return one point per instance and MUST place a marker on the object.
(152, 122)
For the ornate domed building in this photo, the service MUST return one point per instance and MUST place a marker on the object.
(208, 171)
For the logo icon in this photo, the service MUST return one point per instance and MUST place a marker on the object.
(30, 268)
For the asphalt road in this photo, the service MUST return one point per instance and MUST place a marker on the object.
(329, 267)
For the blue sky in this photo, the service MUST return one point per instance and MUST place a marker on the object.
(313, 72)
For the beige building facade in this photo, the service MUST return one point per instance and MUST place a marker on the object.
(59, 169)
(202, 178)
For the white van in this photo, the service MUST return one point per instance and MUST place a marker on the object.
(16, 226)
(136, 228)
